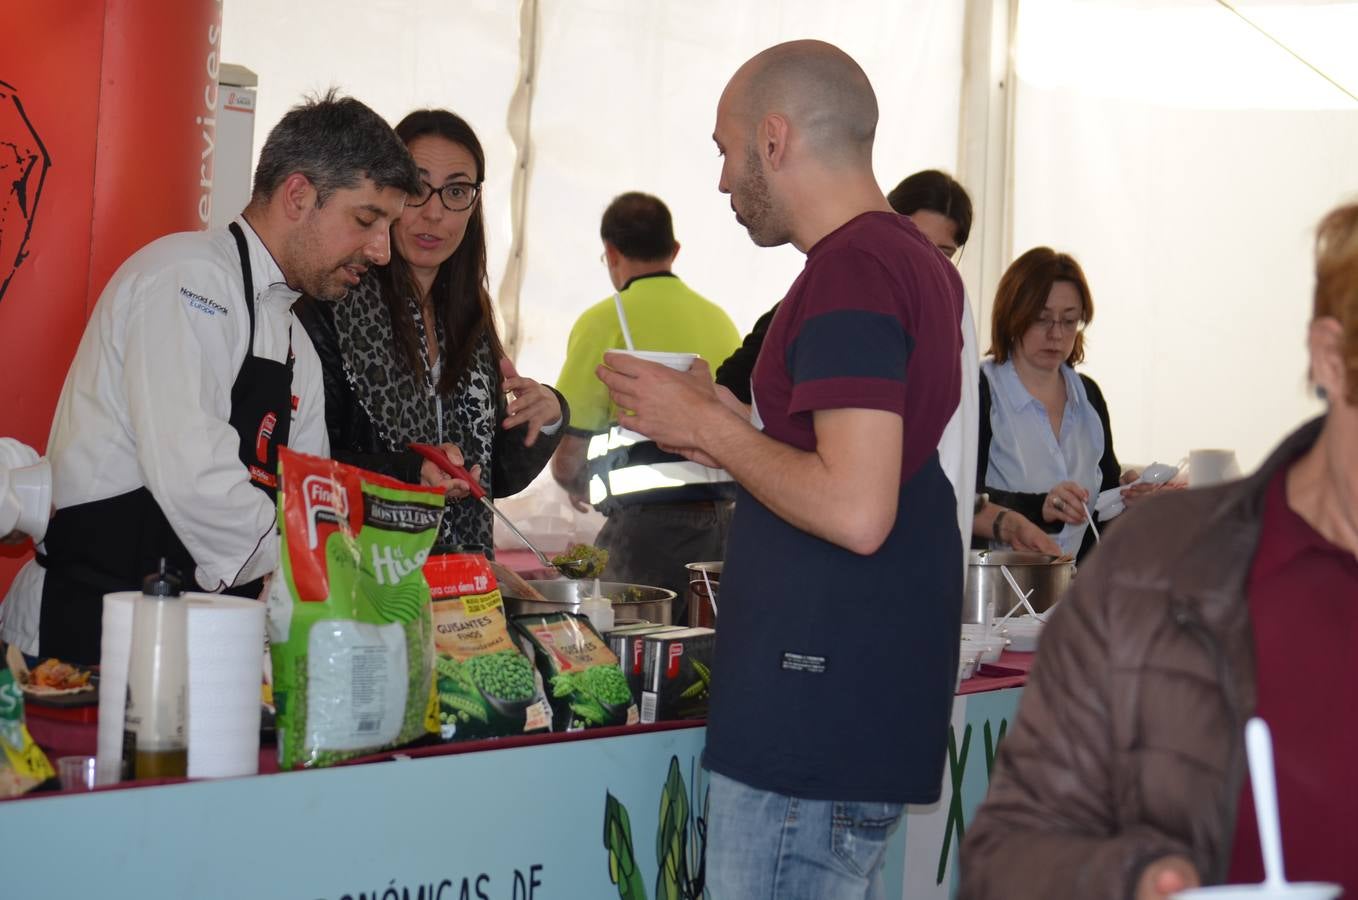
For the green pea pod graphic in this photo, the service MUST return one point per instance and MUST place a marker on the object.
(622, 863)
(671, 882)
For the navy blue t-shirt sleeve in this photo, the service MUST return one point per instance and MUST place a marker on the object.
(851, 348)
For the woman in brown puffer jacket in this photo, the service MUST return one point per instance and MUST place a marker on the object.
(1123, 773)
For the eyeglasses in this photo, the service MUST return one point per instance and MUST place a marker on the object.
(1070, 326)
(455, 196)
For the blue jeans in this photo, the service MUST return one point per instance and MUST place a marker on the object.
(765, 846)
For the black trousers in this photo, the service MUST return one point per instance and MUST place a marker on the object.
(651, 543)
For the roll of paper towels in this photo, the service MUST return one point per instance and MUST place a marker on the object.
(226, 653)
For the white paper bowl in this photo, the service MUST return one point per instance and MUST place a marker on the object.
(1024, 634)
(966, 665)
(1305, 890)
(989, 648)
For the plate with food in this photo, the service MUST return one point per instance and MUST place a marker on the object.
(52, 678)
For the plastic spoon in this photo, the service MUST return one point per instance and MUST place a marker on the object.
(1023, 598)
(571, 568)
(622, 320)
(1259, 750)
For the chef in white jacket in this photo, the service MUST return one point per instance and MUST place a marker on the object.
(190, 375)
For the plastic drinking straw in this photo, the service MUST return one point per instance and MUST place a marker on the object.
(622, 320)
(1023, 598)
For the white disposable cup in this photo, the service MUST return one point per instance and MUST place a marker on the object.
(1211, 466)
(1308, 890)
(77, 773)
(679, 362)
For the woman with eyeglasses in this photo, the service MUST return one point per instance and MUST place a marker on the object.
(412, 354)
(1045, 448)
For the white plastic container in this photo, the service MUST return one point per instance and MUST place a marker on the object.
(598, 609)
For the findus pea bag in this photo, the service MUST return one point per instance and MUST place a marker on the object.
(349, 616)
(584, 683)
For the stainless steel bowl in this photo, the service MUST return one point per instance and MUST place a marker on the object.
(630, 601)
(1047, 576)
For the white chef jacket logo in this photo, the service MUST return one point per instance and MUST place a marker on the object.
(203, 304)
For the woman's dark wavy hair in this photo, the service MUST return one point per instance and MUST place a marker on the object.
(937, 191)
(461, 289)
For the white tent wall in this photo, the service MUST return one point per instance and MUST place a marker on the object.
(396, 56)
(1178, 154)
(624, 98)
(1184, 160)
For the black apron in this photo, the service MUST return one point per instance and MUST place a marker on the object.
(110, 545)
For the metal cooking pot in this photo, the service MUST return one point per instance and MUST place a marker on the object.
(1047, 576)
(636, 602)
(702, 608)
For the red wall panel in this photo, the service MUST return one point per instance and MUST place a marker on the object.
(121, 96)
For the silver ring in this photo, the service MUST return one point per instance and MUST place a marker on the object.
(1056, 502)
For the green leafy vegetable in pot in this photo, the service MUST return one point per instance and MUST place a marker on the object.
(588, 559)
(633, 594)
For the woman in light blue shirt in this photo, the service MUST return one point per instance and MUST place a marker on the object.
(1046, 449)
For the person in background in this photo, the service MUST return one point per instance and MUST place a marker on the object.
(845, 557)
(190, 376)
(414, 357)
(1046, 447)
(662, 510)
(1124, 774)
(25, 493)
(940, 208)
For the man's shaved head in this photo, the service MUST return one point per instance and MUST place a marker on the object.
(819, 89)
(795, 128)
